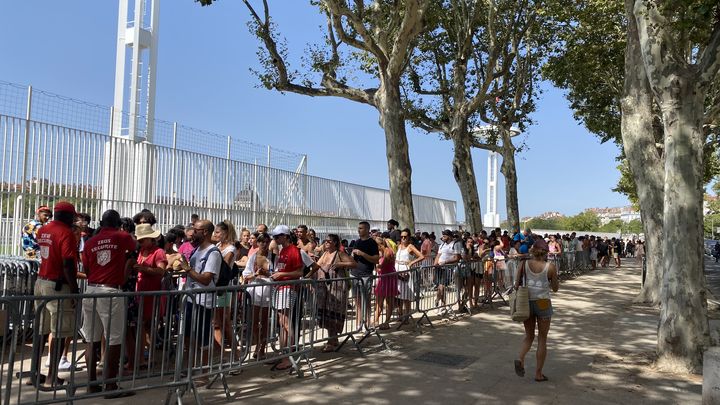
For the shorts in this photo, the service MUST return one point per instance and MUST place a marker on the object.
(285, 298)
(201, 324)
(444, 274)
(616, 255)
(223, 301)
(104, 316)
(541, 308)
(56, 317)
(361, 288)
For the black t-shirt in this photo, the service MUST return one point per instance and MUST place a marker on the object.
(364, 268)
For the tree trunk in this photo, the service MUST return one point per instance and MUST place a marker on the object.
(464, 172)
(643, 157)
(389, 104)
(509, 172)
(683, 329)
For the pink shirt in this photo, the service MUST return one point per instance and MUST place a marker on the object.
(147, 282)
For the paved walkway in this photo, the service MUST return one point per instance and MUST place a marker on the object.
(600, 352)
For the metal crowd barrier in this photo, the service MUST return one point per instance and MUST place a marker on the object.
(166, 339)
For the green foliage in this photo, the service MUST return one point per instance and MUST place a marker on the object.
(585, 221)
(614, 225)
(635, 226)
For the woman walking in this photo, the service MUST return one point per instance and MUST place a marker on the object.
(540, 276)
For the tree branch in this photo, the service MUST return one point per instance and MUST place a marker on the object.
(410, 27)
(339, 9)
(710, 59)
(331, 87)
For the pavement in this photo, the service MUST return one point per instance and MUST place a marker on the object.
(600, 351)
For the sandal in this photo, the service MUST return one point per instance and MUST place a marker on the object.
(278, 368)
(519, 369)
(329, 348)
(542, 379)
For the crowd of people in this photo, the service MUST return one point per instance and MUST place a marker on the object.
(131, 254)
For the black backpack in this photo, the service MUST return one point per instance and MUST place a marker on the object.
(226, 274)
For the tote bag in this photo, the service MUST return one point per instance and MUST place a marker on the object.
(520, 301)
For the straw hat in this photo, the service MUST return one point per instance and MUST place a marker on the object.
(143, 231)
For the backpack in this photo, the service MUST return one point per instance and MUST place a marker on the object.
(226, 274)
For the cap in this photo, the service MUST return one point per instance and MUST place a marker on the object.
(280, 230)
(64, 206)
(447, 232)
(43, 208)
(540, 244)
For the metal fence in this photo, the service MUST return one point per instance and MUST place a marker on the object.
(161, 341)
(43, 161)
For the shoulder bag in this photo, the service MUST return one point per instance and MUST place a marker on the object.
(520, 300)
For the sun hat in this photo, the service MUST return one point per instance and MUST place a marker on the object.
(143, 231)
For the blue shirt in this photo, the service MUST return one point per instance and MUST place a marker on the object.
(525, 242)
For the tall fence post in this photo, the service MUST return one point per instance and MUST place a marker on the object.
(267, 187)
(173, 160)
(227, 199)
(20, 201)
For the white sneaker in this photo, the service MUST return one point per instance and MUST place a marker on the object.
(47, 362)
(65, 365)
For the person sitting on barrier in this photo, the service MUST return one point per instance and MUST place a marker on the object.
(366, 255)
(258, 270)
(540, 276)
(526, 240)
(407, 257)
(30, 230)
(57, 276)
(107, 260)
(202, 272)
(449, 254)
(386, 285)
(288, 266)
(332, 291)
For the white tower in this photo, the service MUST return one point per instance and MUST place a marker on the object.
(492, 217)
(130, 161)
(136, 68)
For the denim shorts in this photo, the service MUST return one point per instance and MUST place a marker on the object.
(541, 313)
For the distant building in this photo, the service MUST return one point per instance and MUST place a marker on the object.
(625, 214)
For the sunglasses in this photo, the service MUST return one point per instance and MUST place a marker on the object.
(328, 241)
(404, 236)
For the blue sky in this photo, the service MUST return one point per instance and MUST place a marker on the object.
(204, 81)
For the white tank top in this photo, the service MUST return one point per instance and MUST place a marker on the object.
(402, 258)
(538, 284)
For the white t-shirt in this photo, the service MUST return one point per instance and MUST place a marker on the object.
(212, 265)
(250, 266)
(447, 251)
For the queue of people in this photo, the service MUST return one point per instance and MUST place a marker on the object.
(131, 254)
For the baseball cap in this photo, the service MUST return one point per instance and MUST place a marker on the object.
(280, 230)
(447, 232)
(64, 206)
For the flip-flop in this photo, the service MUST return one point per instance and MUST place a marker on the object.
(519, 369)
(541, 379)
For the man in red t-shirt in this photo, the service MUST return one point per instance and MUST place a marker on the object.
(288, 266)
(107, 260)
(58, 269)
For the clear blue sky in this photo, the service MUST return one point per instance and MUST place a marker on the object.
(204, 81)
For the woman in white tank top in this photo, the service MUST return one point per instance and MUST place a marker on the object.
(540, 276)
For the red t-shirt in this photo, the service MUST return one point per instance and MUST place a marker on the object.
(147, 282)
(57, 243)
(289, 260)
(105, 255)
